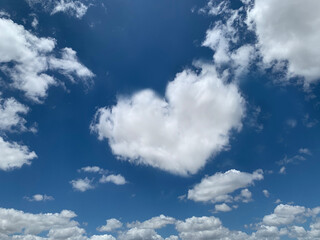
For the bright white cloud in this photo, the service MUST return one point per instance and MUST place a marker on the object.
(10, 114)
(13, 155)
(266, 193)
(180, 132)
(111, 224)
(217, 188)
(222, 208)
(116, 179)
(73, 8)
(26, 58)
(39, 198)
(82, 185)
(298, 43)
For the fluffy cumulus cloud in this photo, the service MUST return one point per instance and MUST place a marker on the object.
(291, 221)
(298, 44)
(111, 224)
(82, 185)
(16, 225)
(26, 59)
(217, 188)
(177, 133)
(71, 7)
(13, 155)
(10, 114)
(116, 179)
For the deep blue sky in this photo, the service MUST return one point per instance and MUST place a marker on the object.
(135, 45)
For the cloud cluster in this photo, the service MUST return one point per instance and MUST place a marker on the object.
(26, 59)
(20, 225)
(177, 133)
(39, 198)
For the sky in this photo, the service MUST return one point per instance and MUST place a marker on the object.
(159, 120)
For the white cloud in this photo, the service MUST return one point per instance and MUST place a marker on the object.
(305, 151)
(291, 123)
(284, 215)
(244, 196)
(287, 30)
(223, 37)
(69, 65)
(217, 188)
(266, 193)
(206, 228)
(39, 198)
(26, 58)
(102, 237)
(111, 224)
(116, 179)
(10, 114)
(180, 132)
(282, 170)
(74, 8)
(82, 185)
(18, 225)
(13, 155)
(222, 208)
(92, 169)
(27, 223)
(153, 223)
(140, 234)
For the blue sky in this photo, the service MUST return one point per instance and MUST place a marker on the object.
(166, 120)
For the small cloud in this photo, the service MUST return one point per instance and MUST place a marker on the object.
(82, 185)
(39, 198)
(92, 169)
(266, 193)
(305, 151)
(111, 224)
(282, 170)
(116, 179)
